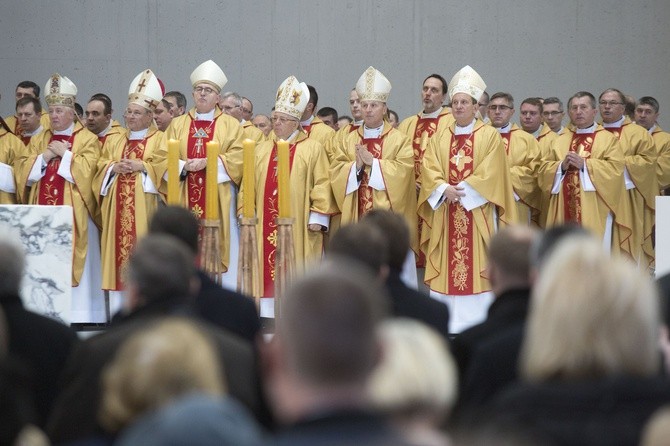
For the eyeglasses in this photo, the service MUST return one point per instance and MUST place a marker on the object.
(610, 103)
(551, 113)
(230, 107)
(282, 120)
(499, 107)
(205, 90)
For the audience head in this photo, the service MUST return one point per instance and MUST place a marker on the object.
(156, 366)
(362, 243)
(177, 222)
(509, 258)
(548, 240)
(592, 316)
(396, 232)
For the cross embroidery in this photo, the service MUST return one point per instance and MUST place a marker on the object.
(456, 159)
(152, 103)
(199, 135)
(141, 85)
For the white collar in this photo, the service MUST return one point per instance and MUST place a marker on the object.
(505, 129)
(434, 114)
(458, 130)
(37, 130)
(104, 132)
(67, 132)
(372, 133)
(537, 132)
(358, 123)
(651, 129)
(307, 121)
(138, 135)
(209, 116)
(615, 124)
(590, 129)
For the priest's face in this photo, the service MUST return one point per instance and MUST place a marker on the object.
(28, 119)
(646, 116)
(373, 113)
(96, 119)
(137, 118)
(432, 96)
(205, 97)
(553, 116)
(531, 118)
(284, 125)
(464, 108)
(500, 112)
(612, 106)
(355, 106)
(162, 116)
(61, 117)
(582, 112)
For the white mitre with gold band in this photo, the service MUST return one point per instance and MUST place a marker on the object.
(467, 81)
(146, 90)
(60, 90)
(210, 73)
(373, 86)
(292, 97)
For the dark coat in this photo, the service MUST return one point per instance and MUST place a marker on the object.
(608, 412)
(42, 345)
(407, 302)
(75, 413)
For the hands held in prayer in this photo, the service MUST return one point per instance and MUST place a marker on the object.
(128, 166)
(195, 164)
(315, 227)
(54, 149)
(572, 159)
(363, 156)
(453, 194)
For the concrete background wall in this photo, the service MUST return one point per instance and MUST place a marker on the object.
(526, 47)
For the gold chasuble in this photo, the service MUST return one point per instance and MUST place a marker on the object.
(10, 148)
(15, 125)
(420, 130)
(524, 159)
(251, 132)
(545, 139)
(641, 187)
(53, 190)
(393, 150)
(310, 193)
(573, 201)
(454, 239)
(662, 143)
(127, 201)
(193, 136)
(336, 141)
(319, 131)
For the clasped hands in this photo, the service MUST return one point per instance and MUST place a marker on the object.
(195, 164)
(363, 156)
(453, 194)
(572, 159)
(127, 166)
(54, 149)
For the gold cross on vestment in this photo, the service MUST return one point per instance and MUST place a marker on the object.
(456, 159)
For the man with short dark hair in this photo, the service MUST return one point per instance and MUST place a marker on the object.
(177, 102)
(329, 117)
(312, 124)
(552, 113)
(10, 148)
(646, 115)
(162, 115)
(28, 113)
(523, 156)
(639, 202)
(99, 116)
(531, 121)
(26, 89)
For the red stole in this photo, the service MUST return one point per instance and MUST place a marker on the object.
(199, 134)
(365, 199)
(424, 130)
(506, 138)
(616, 131)
(126, 234)
(52, 186)
(270, 214)
(25, 139)
(460, 245)
(572, 204)
(102, 139)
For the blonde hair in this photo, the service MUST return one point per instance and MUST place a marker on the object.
(154, 367)
(591, 316)
(657, 430)
(417, 374)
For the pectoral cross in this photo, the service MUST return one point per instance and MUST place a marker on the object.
(456, 159)
(199, 135)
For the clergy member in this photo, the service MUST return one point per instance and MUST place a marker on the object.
(203, 123)
(58, 168)
(310, 193)
(646, 115)
(466, 193)
(10, 148)
(125, 183)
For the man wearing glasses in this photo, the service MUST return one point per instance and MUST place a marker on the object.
(231, 104)
(646, 115)
(582, 173)
(523, 156)
(203, 123)
(639, 179)
(552, 113)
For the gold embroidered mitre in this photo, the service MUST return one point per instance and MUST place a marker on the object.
(60, 90)
(373, 86)
(292, 97)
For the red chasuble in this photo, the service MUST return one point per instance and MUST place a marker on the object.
(572, 205)
(52, 185)
(374, 146)
(199, 135)
(126, 235)
(270, 214)
(460, 220)
(424, 130)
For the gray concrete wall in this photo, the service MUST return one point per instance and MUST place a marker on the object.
(526, 47)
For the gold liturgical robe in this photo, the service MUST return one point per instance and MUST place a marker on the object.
(10, 148)
(662, 143)
(396, 163)
(13, 123)
(85, 153)
(639, 157)
(310, 192)
(605, 169)
(228, 132)
(251, 132)
(127, 201)
(452, 260)
(545, 139)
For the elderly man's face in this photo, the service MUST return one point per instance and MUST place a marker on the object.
(582, 113)
(373, 113)
(137, 117)
(231, 107)
(611, 107)
(284, 125)
(205, 97)
(263, 124)
(61, 117)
